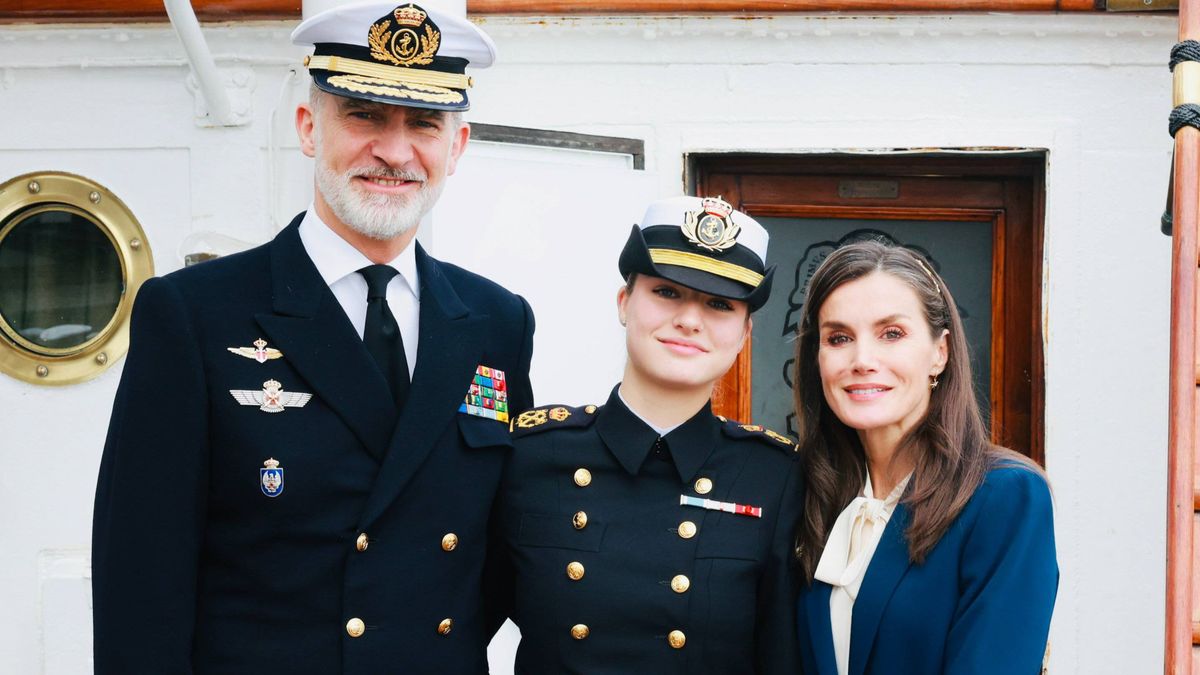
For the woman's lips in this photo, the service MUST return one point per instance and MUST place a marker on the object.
(682, 347)
(866, 392)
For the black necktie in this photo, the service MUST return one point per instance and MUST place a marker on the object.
(381, 335)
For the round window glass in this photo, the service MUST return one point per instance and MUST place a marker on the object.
(61, 279)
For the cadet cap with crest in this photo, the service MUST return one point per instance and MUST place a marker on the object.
(408, 54)
(703, 244)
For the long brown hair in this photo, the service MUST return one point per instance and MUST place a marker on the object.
(949, 447)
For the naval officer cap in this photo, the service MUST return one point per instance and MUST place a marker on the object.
(407, 54)
(703, 244)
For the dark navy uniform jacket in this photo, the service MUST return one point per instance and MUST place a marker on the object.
(980, 604)
(615, 575)
(381, 518)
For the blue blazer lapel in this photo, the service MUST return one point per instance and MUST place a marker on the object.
(820, 631)
(448, 352)
(318, 340)
(887, 567)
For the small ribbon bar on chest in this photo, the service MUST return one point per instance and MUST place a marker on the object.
(728, 507)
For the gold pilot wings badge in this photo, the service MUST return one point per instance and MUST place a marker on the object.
(259, 352)
(272, 398)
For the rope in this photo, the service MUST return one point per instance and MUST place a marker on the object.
(1188, 50)
(1188, 114)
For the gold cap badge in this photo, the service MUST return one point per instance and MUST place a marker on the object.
(405, 37)
(711, 228)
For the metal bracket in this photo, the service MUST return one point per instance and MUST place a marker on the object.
(238, 84)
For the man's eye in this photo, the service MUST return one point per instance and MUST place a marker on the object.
(666, 292)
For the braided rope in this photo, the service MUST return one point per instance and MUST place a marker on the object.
(1188, 50)
(1188, 114)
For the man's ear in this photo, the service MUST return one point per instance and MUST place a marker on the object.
(457, 146)
(306, 129)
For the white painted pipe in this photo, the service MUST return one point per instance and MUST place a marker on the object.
(183, 19)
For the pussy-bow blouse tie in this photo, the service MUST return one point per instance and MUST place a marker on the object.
(855, 534)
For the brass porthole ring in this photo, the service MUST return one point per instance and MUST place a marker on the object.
(72, 257)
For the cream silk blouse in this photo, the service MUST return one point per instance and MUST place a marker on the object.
(852, 542)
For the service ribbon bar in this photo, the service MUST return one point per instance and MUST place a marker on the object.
(728, 507)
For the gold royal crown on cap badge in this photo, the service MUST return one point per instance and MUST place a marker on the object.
(405, 37)
(711, 228)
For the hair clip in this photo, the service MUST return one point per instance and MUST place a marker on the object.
(928, 272)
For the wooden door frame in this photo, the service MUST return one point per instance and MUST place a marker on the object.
(999, 189)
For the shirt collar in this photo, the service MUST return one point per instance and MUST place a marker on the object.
(630, 439)
(335, 258)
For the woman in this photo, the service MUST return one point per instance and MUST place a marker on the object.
(648, 535)
(926, 549)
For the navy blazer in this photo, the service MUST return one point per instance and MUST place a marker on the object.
(980, 604)
(196, 569)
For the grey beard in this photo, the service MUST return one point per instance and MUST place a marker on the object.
(377, 216)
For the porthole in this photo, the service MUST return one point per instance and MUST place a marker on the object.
(72, 257)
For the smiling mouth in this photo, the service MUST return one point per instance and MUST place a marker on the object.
(682, 347)
(866, 393)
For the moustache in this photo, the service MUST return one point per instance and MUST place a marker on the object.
(387, 173)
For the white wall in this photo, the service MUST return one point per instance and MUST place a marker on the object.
(112, 103)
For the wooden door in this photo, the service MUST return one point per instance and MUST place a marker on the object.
(978, 218)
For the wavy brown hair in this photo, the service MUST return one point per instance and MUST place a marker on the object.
(949, 447)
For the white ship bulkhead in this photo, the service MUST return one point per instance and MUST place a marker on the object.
(116, 103)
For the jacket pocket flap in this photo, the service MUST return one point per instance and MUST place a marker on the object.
(478, 432)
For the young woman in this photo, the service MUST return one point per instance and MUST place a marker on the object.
(648, 535)
(925, 548)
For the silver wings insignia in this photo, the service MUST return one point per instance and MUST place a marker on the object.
(272, 398)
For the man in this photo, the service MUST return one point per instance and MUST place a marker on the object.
(308, 436)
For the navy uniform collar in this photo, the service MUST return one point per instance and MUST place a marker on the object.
(630, 439)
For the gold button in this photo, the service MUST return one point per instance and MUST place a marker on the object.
(680, 583)
(583, 477)
(450, 542)
(676, 639)
(687, 529)
(579, 631)
(361, 543)
(579, 520)
(445, 626)
(575, 571)
(355, 627)
(590, 409)
(703, 486)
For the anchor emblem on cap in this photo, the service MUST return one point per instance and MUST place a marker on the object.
(711, 228)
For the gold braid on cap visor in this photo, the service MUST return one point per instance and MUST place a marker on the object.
(431, 78)
(666, 256)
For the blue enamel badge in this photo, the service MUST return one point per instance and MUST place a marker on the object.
(270, 478)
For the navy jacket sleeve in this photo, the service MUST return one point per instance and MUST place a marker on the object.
(776, 644)
(1009, 578)
(498, 571)
(150, 500)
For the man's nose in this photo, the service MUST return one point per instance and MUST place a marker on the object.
(393, 147)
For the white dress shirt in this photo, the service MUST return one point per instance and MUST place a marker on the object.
(848, 552)
(338, 263)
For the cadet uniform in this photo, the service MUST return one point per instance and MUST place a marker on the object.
(635, 553)
(263, 504)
